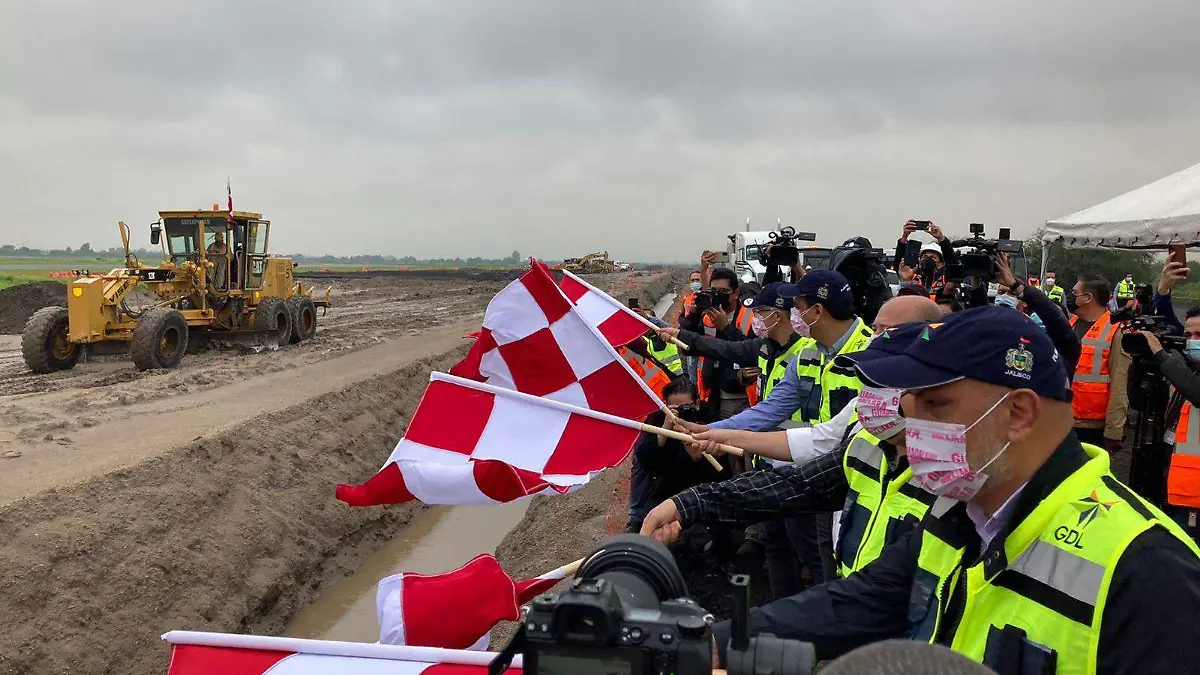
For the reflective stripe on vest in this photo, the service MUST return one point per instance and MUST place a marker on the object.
(877, 512)
(1052, 580)
(1090, 387)
(668, 356)
(1125, 289)
(651, 374)
(772, 373)
(1183, 476)
(840, 384)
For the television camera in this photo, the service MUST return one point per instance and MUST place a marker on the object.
(1149, 396)
(977, 267)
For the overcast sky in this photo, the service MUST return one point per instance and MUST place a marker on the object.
(650, 129)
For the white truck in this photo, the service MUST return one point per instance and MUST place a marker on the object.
(742, 251)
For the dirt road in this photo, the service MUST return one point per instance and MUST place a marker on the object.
(132, 503)
(202, 498)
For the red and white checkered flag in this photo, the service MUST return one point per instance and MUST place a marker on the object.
(474, 443)
(534, 340)
(455, 610)
(195, 653)
(616, 322)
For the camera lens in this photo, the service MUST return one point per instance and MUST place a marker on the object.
(642, 570)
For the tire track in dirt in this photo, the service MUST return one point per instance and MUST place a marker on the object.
(232, 532)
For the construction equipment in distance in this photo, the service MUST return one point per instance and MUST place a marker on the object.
(592, 263)
(216, 277)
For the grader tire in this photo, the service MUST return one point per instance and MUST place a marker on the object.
(44, 342)
(160, 339)
(272, 315)
(304, 317)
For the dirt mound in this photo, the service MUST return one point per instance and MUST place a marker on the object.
(232, 532)
(18, 303)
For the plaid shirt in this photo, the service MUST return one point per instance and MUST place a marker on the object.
(817, 487)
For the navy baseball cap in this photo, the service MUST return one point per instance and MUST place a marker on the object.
(990, 344)
(822, 287)
(891, 342)
(769, 297)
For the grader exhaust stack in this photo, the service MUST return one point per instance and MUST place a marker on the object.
(217, 278)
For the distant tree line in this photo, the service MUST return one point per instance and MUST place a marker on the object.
(85, 251)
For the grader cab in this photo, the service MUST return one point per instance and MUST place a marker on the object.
(216, 277)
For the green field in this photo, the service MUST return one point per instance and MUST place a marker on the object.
(19, 270)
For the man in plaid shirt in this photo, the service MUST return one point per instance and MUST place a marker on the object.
(817, 485)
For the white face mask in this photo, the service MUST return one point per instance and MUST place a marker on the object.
(937, 453)
(879, 412)
(799, 325)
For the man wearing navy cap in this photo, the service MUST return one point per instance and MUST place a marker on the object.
(1046, 563)
(772, 353)
(867, 474)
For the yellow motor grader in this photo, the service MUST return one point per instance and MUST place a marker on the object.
(216, 277)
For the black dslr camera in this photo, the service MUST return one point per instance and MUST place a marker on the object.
(710, 297)
(628, 614)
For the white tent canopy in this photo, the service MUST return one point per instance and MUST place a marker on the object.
(1157, 215)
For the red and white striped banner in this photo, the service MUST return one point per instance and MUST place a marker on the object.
(195, 653)
(616, 322)
(455, 609)
(534, 341)
(475, 443)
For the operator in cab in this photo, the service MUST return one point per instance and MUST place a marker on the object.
(217, 252)
(1040, 560)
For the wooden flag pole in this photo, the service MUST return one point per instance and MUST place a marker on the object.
(671, 417)
(680, 436)
(675, 341)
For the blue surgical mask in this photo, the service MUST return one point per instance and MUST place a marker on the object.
(1192, 351)
(1006, 301)
(695, 285)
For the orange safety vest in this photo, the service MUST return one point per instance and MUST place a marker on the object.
(654, 377)
(743, 319)
(1090, 388)
(1183, 478)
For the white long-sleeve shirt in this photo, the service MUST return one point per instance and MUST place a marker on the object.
(809, 443)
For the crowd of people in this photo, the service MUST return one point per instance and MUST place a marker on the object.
(941, 474)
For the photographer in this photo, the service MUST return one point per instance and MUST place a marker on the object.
(1057, 328)
(719, 313)
(663, 467)
(1100, 397)
(931, 268)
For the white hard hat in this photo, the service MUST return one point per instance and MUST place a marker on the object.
(932, 247)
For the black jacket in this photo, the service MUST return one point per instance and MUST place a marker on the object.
(1058, 327)
(930, 281)
(1182, 375)
(1151, 618)
(660, 471)
(718, 373)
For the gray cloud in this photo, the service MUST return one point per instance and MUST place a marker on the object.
(649, 129)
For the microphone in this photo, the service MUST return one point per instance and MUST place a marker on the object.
(904, 657)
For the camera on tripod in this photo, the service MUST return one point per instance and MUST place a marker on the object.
(1135, 343)
(628, 613)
